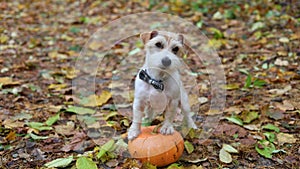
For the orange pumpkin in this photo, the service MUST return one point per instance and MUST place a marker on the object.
(156, 148)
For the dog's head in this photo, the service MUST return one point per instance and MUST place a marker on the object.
(163, 49)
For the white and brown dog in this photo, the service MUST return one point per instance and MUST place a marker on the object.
(158, 87)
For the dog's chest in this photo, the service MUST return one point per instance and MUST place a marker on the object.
(158, 100)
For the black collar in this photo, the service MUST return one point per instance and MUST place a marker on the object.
(157, 84)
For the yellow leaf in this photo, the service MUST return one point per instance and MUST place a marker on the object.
(8, 81)
(193, 99)
(95, 100)
(3, 38)
(70, 72)
(94, 45)
(57, 86)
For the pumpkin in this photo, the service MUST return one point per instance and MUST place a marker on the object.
(156, 148)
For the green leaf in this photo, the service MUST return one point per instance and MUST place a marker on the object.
(189, 147)
(52, 120)
(270, 136)
(236, 120)
(232, 86)
(271, 127)
(217, 33)
(265, 148)
(80, 110)
(109, 146)
(248, 81)
(85, 163)
(199, 24)
(259, 83)
(257, 25)
(111, 114)
(39, 126)
(250, 116)
(36, 137)
(74, 30)
(149, 166)
(134, 51)
(59, 163)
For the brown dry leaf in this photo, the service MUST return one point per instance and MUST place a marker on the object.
(280, 91)
(233, 109)
(9, 123)
(67, 129)
(213, 112)
(11, 136)
(285, 138)
(286, 105)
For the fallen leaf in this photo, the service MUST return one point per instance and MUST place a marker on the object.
(60, 162)
(36, 137)
(286, 138)
(285, 106)
(39, 126)
(252, 127)
(52, 120)
(57, 86)
(105, 148)
(224, 156)
(80, 110)
(232, 86)
(85, 163)
(229, 148)
(271, 127)
(235, 119)
(65, 129)
(280, 62)
(257, 25)
(270, 136)
(10, 123)
(189, 147)
(284, 40)
(11, 136)
(8, 81)
(95, 100)
(249, 116)
(265, 148)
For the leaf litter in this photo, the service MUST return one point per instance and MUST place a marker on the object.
(41, 123)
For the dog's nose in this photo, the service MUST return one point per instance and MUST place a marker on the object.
(166, 61)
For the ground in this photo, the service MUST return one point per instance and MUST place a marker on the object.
(41, 121)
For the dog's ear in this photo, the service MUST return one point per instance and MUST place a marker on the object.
(147, 36)
(186, 44)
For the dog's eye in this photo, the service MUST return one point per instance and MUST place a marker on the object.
(175, 49)
(159, 45)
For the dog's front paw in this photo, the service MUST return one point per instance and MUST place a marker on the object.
(133, 133)
(167, 129)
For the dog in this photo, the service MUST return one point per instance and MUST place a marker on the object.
(158, 86)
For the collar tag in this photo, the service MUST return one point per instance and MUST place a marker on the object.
(157, 84)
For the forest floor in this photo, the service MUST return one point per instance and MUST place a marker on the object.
(40, 41)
